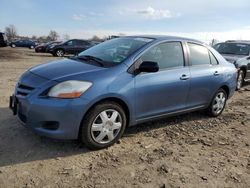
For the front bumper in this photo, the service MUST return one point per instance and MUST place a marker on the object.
(50, 117)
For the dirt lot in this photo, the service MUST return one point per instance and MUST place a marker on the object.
(191, 150)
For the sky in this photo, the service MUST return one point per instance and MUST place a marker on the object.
(199, 19)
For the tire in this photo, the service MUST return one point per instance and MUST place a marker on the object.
(13, 45)
(240, 80)
(107, 130)
(218, 103)
(59, 53)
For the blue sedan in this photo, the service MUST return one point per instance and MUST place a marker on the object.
(122, 82)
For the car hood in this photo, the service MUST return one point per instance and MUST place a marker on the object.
(232, 58)
(41, 45)
(63, 68)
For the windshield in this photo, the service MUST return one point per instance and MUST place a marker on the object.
(117, 50)
(233, 48)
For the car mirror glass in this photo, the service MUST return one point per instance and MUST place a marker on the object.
(148, 66)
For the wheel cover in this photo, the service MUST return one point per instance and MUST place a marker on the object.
(106, 126)
(219, 102)
(59, 53)
(239, 81)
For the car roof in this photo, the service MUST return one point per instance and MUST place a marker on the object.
(236, 42)
(167, 37)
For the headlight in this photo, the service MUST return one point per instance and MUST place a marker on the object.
(69, 89)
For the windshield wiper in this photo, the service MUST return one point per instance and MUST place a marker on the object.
(92, 58)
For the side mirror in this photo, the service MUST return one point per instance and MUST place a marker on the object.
(148, 66)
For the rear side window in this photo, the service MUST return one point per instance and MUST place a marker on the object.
(81, 42)
(167, 55)
(213, 59)
(198, 54)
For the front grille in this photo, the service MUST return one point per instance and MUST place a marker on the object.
(24, 90)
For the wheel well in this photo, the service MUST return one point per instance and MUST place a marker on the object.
(111, 99)
(244, 70)
(226, 88)
(59, 49)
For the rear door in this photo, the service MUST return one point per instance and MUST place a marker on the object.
(25, 43)
(206, 75)
(165, 91)
(82, 45)
(248, 67)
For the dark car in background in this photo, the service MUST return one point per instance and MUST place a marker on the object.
(238, 53)
(74, 46)
(3, 40)
(42, 47)
(243, 66)
(24, 43)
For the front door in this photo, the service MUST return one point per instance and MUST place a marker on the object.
(165, 91)
(248, 69)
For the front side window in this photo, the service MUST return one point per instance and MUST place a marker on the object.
(167, 55)
(198, 54)
(70, 43)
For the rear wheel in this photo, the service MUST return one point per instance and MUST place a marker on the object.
(31, 47)
(103, 125)
(59, 53)
(218, 103)
(240, 80)
(13, 45)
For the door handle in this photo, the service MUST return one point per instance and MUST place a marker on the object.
(216, 73)
(184, 77)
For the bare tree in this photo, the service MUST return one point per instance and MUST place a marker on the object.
(11, 32)
(43, 39)
(66, 37)
(96, 38)
(34, 37)
(53, 35)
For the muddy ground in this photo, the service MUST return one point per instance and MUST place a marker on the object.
(191, 150)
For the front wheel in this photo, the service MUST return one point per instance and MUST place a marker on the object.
(103, 125)
(240, 80)
(218, 103)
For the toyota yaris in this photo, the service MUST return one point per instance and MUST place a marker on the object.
(122, 82)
